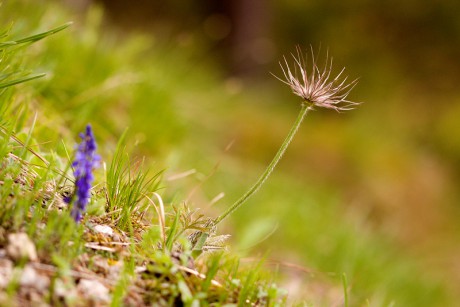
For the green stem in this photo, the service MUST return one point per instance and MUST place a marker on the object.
(269, 170)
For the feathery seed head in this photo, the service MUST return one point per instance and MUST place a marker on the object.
(316, 87)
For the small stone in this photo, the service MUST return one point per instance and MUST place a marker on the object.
(115, 270)
(116, 237)
(94, 290)
(6, 271)
(60, 289)
(65, 290)
(140, 269)
(100, 265)
(104, 229)
(21, 247)
(30, 278)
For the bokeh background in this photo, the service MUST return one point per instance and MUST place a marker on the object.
(372, 193)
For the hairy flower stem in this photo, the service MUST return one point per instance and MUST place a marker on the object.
(306, 106)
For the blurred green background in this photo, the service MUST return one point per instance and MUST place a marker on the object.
(371, 193)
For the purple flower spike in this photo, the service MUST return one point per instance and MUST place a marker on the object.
(86, 160)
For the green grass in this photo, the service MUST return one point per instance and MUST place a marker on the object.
(151, 269)
(171, 106)
(127, 185)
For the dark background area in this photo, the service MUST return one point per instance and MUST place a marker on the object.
(246, 36)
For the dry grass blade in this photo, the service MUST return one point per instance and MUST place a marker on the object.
(161, 214)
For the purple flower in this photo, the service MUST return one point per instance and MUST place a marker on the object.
(86, 160)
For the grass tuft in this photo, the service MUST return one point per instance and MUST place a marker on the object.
(127, 184)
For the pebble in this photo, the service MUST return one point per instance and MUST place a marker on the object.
(104, 229)
(30, 278)
(65, 290)
(6, 272)
(21, 247)
(94, 290)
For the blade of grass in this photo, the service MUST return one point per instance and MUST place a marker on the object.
(213, 267)
(172, 231)
(35, 37)
(20, 80)
(345, 289)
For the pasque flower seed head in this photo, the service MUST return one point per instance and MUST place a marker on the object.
(316, 86)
